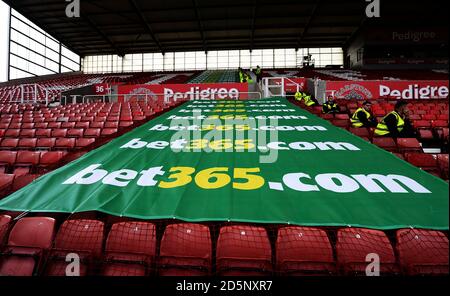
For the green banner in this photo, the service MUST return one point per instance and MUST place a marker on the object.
(264, 161)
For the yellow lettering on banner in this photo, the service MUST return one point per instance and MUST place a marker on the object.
(183, 177)
(242, 127)
(198, 144)
(253, 181)
(221, 144)
(244, 144)
(224, 127)
(203, 178)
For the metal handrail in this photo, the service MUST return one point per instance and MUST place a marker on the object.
(147, 97)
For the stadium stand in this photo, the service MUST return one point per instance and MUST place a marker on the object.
(37, 137)
(210, 76)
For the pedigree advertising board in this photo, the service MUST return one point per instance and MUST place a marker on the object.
(409, 90)
(175, 92)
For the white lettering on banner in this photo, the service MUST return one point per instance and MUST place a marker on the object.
(352, 183)
(233, 106)
(334, 182)
(92, 174)
(181, 144)
(415, 92)
(415, 36)
(195, 93)
(300, 128)
(243, 117)
(243, 110)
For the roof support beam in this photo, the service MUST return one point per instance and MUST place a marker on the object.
(252, 34)
(146, 24)
(200, 25)
(104, 36)
(305, 29)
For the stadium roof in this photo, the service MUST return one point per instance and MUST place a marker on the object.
(132, 26)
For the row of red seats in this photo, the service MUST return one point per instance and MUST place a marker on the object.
(78, 132)
(431, 163)
(437, 133)
(10, 183)
(54, 87)
(186, 249)
(27, 162)
(66, 144)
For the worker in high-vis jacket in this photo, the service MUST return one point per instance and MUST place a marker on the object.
(363, 116)
(258, 73)
(298, 96)
(330, 106)
(396, 123)
(308, 100)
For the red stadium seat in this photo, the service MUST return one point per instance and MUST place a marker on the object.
(385, 143)
(408, 145)
(75, 118)
(97, 124)
(92, 133)
(45, 143)
(111, 124)
(43, 133)
(125, 123)
(75, 133)
(440, 123)
(12, 133)
(54, 125)
(399, 155)
(65, 143)
(422, 252)
(427, 162)
(130, 249)
(108, 132)
(59, 133)
(9, 144)
(84, 237)
(22, 181)
(82, 125)
(421, 124)
(99, 119)
(6, 181)
(443, 165)
(38, 124)
(50, 158)
(443, 117)
(28, 239)
(342, 116)
(354, 244)
(243, 250)
(84, 142)
(68, 125)
(87, 118)
(342, 123)
(429, 117)
(304, 251)
(360, 132)
(7, 159)
(185, 250)
(25, 162)
(27, 133)
(327, 116)
(27, 143)
(4, 225)
(426, 134)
